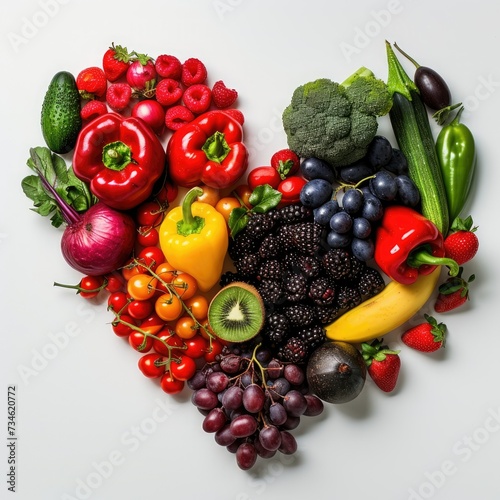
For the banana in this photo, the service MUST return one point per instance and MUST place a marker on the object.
(384, 312)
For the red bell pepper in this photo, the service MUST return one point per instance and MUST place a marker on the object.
(408, 245)
(121, 158)
(208, 150)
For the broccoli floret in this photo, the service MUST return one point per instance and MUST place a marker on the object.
(336, 121)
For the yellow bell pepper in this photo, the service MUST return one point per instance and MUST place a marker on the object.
(194, 239)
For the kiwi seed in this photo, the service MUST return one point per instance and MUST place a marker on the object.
(236, 313)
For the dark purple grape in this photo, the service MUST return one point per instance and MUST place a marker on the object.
(323, 214)
(270, 437)
(214, 421)
(280, 386)
(316, 192)
(243, 426)
(290, 423)
(398, 164)
(246, 379)
(315, 406)
(341, 222)
(246, 456)
(373, 209)
(277, 413)
(253, 398)
(295, 403)
(263, 356)
(217, 381)
(288, 443)
(363, 249)
(294, 374)
(224, 437)
(383, 186)
(274, 369)
(408, 193)
(337, 240)
(379, 152)
(352, 201)
(233, 398)
(352, 174)
(197, 381)
(231, 364)
(204, 399)
(262, 452)
(314, 168)
(361, 228)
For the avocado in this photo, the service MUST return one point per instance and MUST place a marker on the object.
(336, 372)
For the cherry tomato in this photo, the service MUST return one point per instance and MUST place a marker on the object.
(170, 384)
(129, 270)
(152, 324)
(120, 328)
(117, 301)
(225, 205)
(198, 305)
(185, 285)
(186, 327)
(147, 236)
(150, 213)
(196, 347)
(140, 342)
(166, 273)
(213, 350)
(168, 307)
(210, 195)
(263, 175)
(90, 286)
(169, 337)
(142, 286)
(205, 329)
(140, 309)
(151, 112)
(168, 193)
(183, 368)
(151, 257)
(152, 365)
(244, 192)
(290, 189)
(114, 282)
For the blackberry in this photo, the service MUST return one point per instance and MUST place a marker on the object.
(270, 269)
(248, 266)
(269, 247)
(337, 263)
(299, 314)
(348, 297)
(291, 214)
(309, 266)
(259, 225)
(312, 336)
(327, 314)
(370, 283)
(293, 351)
(295, 286)
(284, 237)
(242, 245)
(277, 328)
(291, 261)
(270, 290)
(306, 237)
(357, 267)
(322, 291)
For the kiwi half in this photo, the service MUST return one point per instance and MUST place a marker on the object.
(236, 313)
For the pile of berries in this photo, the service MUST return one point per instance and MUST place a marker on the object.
(164, 91)
(251, 401)
(304, 283)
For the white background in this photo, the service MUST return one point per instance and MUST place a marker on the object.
(89, 424)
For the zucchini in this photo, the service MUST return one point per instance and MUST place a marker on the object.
(61, 121)
(410, 123)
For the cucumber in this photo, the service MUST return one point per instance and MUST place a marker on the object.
(61, 121)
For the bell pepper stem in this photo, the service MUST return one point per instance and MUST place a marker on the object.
(116, 155)
(422, 256)
(190, 224)
(216, 147)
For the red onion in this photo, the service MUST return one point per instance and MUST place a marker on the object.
(141, 75)
(96, 242)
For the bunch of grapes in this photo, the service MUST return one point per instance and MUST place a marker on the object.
(251, 401)
(352, 210)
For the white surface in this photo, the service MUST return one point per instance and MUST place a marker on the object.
(86, 415)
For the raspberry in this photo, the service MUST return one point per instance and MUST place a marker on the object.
(168, 66)
(177, 116)
(93, 109)
(91, 83)
(118, 96)
(168, 92)
(223, 97)
(197, 98)
(235, 114)
(193, 72)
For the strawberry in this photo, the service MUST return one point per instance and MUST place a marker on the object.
(382, 363)
(426, 337)
(222, 96)
(462, 243)
(453, 293)
(286, 162)
(91, 83)
(115, 62)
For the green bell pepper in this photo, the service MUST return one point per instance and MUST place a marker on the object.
(456, 151)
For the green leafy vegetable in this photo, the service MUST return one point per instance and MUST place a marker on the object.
(71, 189)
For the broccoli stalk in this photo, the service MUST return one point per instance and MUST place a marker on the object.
(336, 121)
